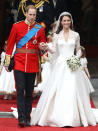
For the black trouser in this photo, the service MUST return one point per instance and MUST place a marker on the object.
(25, 87)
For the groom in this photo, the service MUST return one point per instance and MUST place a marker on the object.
(27, 35)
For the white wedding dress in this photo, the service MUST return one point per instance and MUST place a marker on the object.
(65, 98)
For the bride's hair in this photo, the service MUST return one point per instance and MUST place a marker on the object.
(60, 27)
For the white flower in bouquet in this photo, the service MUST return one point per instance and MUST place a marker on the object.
(73, 63)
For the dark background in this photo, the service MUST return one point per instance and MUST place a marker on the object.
(84, 12)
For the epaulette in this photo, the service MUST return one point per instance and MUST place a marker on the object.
(18, 21)
(38, 26)
(38, 23)
(43, 24)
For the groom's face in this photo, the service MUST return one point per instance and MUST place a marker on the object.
(31, 15)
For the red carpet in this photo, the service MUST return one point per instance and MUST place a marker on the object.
(11, 124)
(5, 105)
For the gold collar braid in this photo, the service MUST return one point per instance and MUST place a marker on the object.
(35, 1)
(38, 3)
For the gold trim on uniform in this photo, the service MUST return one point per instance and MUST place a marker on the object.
(7, 61)
(35, 1)
(22, 5)
(42, 59)
(38, 4)
(29, 24)
(43, 24)
(38, 74)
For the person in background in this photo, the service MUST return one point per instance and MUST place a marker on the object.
(7, 81)
(84, 61)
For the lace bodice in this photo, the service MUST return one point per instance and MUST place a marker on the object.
(65, 48)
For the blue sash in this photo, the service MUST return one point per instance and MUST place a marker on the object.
(29, 35)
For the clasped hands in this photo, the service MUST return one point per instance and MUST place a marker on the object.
(43, 46)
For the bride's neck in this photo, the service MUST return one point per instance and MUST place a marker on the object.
(66, 30)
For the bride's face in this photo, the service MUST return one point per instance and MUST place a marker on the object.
(66, 22)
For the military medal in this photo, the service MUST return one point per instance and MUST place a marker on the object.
(34, 41)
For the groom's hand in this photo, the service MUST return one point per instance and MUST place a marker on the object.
(43, 46)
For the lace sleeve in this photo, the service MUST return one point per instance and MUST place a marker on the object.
(77, 41)
(78, 50)
(52, 49)
(2, 57)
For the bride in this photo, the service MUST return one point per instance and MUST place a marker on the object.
(65, 98)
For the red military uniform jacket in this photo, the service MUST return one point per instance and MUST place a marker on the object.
(26, 62)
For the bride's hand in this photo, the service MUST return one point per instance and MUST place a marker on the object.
(6, 67)
(43, 46)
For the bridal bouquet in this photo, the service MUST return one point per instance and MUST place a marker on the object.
(73, 63)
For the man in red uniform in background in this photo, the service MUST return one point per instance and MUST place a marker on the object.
(27, 35)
